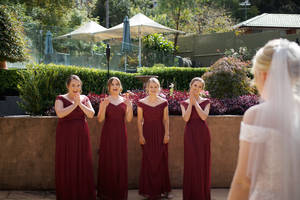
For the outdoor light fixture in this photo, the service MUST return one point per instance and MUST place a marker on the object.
(245, 4)
(107, 59)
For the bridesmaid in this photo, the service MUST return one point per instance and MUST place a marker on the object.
(73, 160)
(153, 129)
(112, 171)
(196, 177)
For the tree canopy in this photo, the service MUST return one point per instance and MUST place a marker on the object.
(12, 43)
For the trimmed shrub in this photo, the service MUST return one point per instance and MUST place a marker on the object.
(227, 78)
(179, 76)
(9, 80)
(40, 84)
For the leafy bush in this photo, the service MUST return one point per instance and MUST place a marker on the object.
(232, 106)
(242, 53)
(227, 78)
(12, 43)
(179, 76)
(157, 49)
(229, 106)
(157, 42)
(8, 81)
(40, 84)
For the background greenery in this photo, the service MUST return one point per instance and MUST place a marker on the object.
(227, 78)
(12, 43)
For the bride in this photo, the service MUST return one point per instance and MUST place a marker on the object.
(269, 156)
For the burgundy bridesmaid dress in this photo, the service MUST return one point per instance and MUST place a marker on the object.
(112, 171)
(74, 176)
(154, 174)
(196, 175)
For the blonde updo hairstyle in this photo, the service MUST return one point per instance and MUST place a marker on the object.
(263, 58)
(110, 80)
(152, 80)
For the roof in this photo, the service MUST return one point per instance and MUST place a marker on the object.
(267, 20)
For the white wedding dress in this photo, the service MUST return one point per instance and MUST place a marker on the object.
(274, 133)
(267, 185)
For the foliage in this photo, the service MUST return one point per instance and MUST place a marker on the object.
(177, 11)
(274, 6)
(60, 13)
(12, 43)
(99, 47)
(179, 76)
(227, 78)
(117, 11)
(147, 7)
(40, 84)
(232, 106)
(132, 61)
(157, 49)
(8, 81)
(229, 106)
(209, 18)
(59, 17)
(159, 43)
(242, 53)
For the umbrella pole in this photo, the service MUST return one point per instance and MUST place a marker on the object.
(140, 47)
(125, 61)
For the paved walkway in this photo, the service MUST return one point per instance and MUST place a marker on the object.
(217, 194)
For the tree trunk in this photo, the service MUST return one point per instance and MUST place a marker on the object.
(3, 65)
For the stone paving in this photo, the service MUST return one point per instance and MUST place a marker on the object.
(217, 194)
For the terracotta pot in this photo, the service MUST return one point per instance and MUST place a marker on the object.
(3, 65)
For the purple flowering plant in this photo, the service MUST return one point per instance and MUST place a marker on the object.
(227, 106)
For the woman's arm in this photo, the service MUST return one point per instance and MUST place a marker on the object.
(140, 125)
(186, 113)
(87, 109)
(240, 185)
(166, 125)
(203, 114)
(129, 112)
(102, 110)
(61, 111)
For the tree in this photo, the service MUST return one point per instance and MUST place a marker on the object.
(177, 11)
(12, 44)
(117, 11)
(274, 6)
(210, 19)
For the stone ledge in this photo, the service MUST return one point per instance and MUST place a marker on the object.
(27, 146)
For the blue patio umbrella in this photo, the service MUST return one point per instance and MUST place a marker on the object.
(48, 47)
(48, 43)
(126, 42)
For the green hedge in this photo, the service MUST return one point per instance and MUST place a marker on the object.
(8, 81)
(180, 76)
(40, 84)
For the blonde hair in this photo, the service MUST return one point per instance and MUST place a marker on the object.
(152, 80)
(263, 58)
(110, 80)
(197, 79)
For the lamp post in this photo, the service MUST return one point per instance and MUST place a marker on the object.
(107, 59)
(245, 4)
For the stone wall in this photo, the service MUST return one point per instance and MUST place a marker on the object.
(27, 151)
